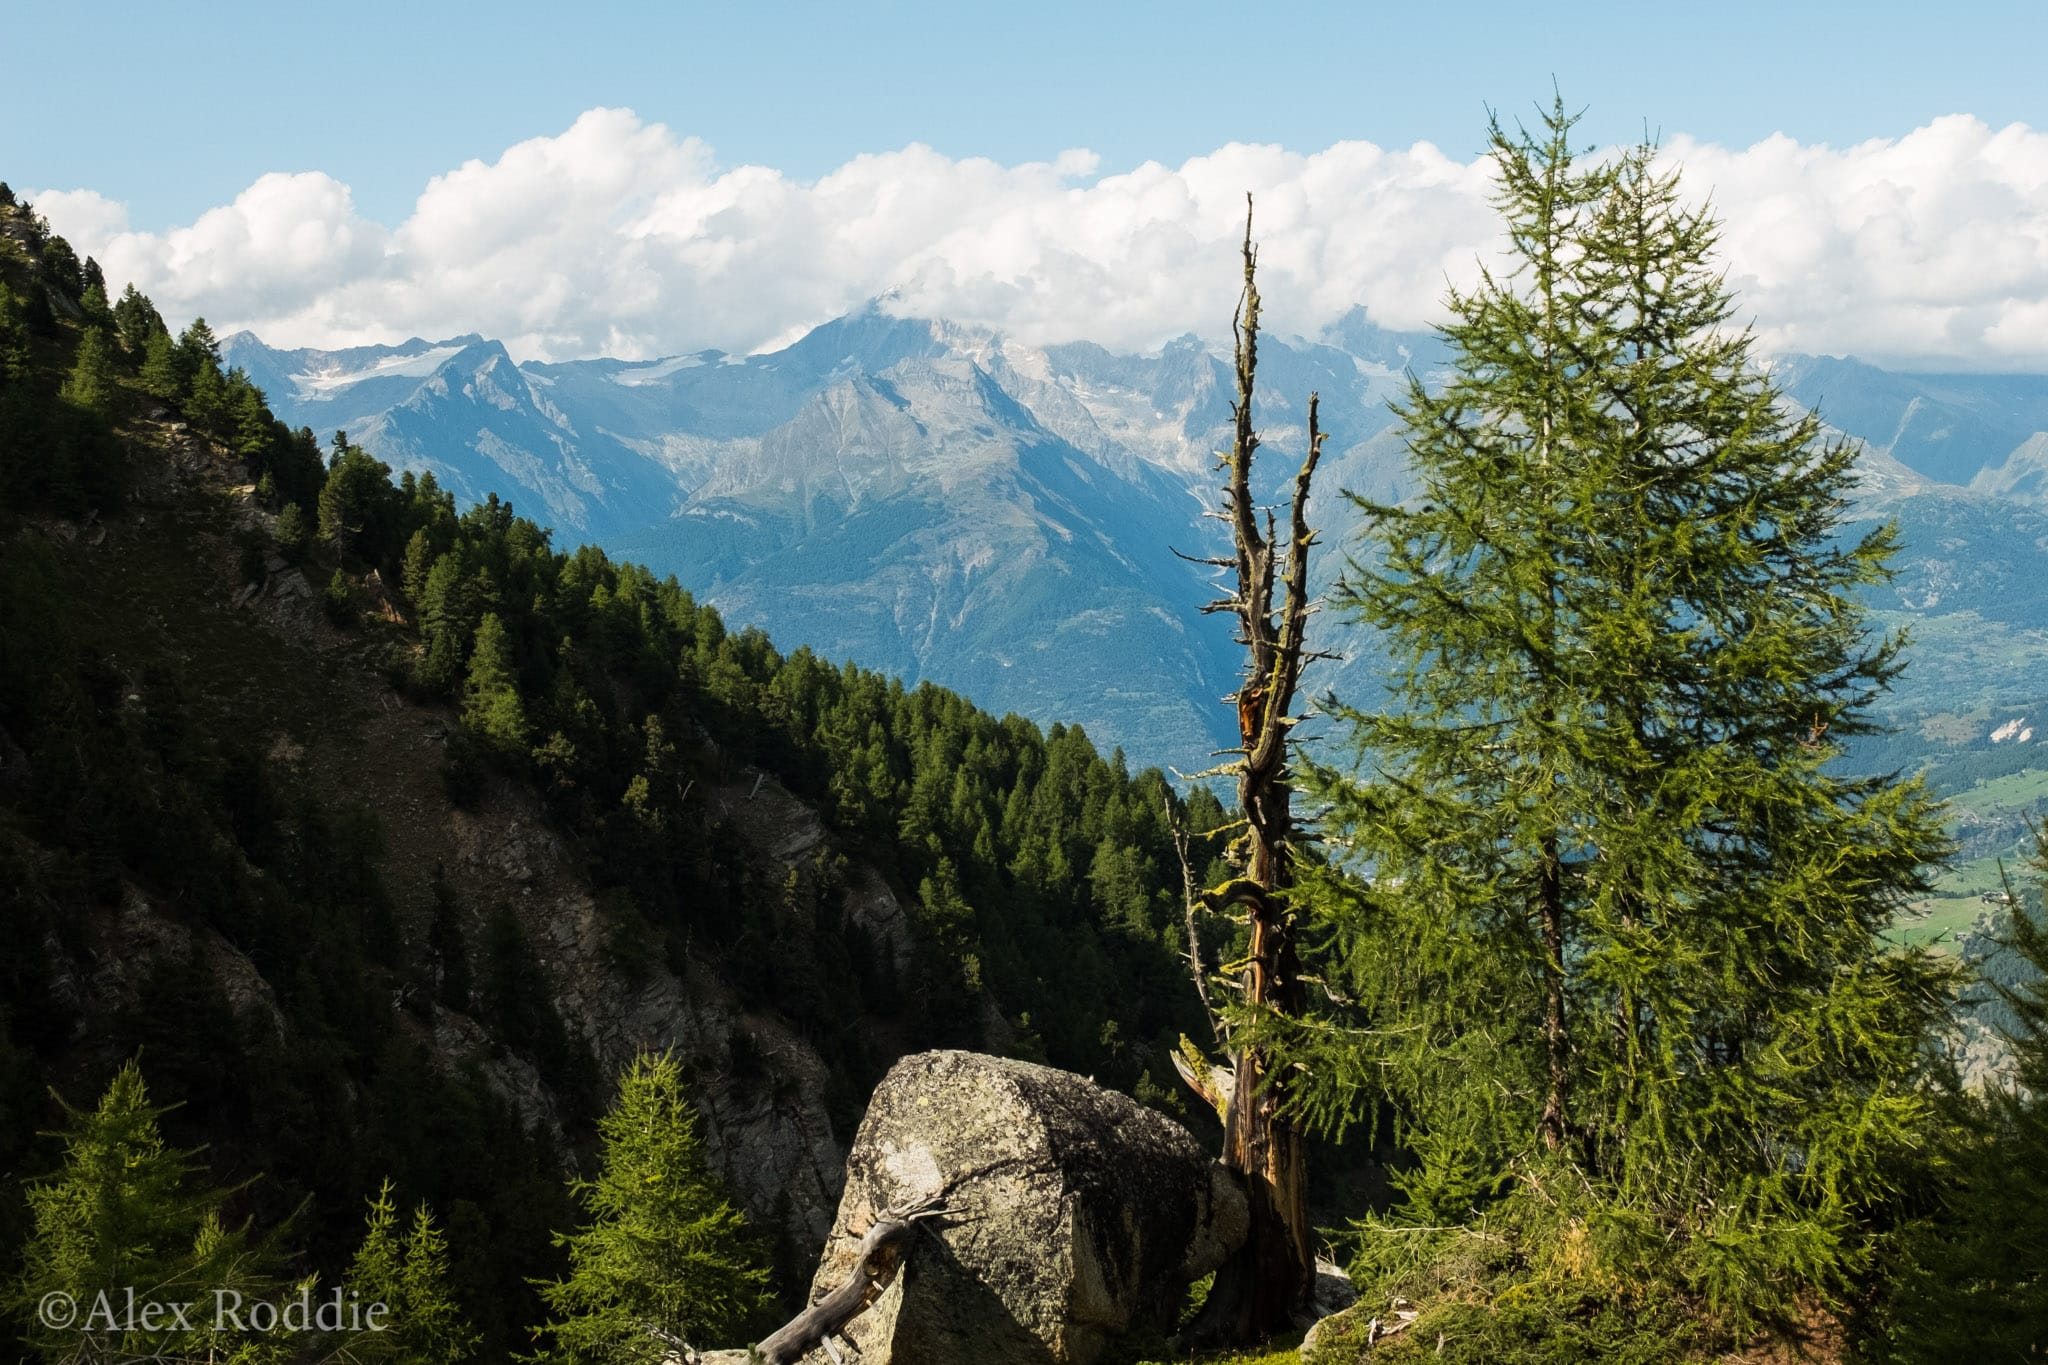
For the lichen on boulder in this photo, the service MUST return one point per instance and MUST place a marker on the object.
(1077, 1215)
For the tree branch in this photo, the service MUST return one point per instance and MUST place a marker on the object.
(880, 1257)
(1192, 906)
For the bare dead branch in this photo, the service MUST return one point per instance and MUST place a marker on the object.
(1178, 828)
(880, 1257)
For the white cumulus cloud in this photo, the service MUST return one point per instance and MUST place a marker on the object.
(1932, 246)
(620, 237)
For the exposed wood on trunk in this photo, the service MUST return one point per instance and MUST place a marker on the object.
(1213, 1083)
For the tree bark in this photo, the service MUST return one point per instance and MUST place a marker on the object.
(1264, 1287)
(1555, 1122)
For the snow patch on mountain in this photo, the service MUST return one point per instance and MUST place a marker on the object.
(637, 376)
(313, 386)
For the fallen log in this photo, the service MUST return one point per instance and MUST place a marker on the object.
(881, 1256)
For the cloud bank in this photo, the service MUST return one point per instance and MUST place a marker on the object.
(621, 238)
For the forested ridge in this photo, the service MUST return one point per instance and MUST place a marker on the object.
(1038, 876)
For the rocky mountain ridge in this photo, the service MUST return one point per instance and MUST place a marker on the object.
(945, 502)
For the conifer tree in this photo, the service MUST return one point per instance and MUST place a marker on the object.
(356, 502)
(60, 262)
(206, 401)
(406, 1270)
(197, 350)
(119, 1212)
(1612, 913)
(251, 421)
(664, 1258)
(291, 531)
(1973, 1284)
(449, 610)
(136, 319)
(339, 599)
(125, 1211)
(202, 388)
(417, 565)
(491, 708)
(91, 384)
(1267, 1283)
(160, 375)
(93, 304)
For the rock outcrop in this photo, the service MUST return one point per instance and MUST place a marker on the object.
(1077, 1214)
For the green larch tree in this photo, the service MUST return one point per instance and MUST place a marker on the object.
(359, 510)
(405, 1268)
(249, 420)
(417, 564)
(202, 387)
(160, 375)
(93, 304)
(450, 605)
(91, 383)
(291, 531)
(664, 1257)
(197, 350)
(206, 401)
(1610, 909)
(339, 600)
(491, 708)
(126, 1211)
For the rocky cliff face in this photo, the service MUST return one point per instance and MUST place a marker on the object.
(164, 580)
(769, 1135)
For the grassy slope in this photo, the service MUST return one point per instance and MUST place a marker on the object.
(1943, 919)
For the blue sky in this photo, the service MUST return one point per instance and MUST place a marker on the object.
(582, 179)
(175, 108)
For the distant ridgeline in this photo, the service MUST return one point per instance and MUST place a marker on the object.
(945, 502)
(183, 884)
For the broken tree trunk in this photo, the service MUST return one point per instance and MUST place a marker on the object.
(1265, 1286)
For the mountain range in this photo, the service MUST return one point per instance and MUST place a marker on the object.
(946, 502)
